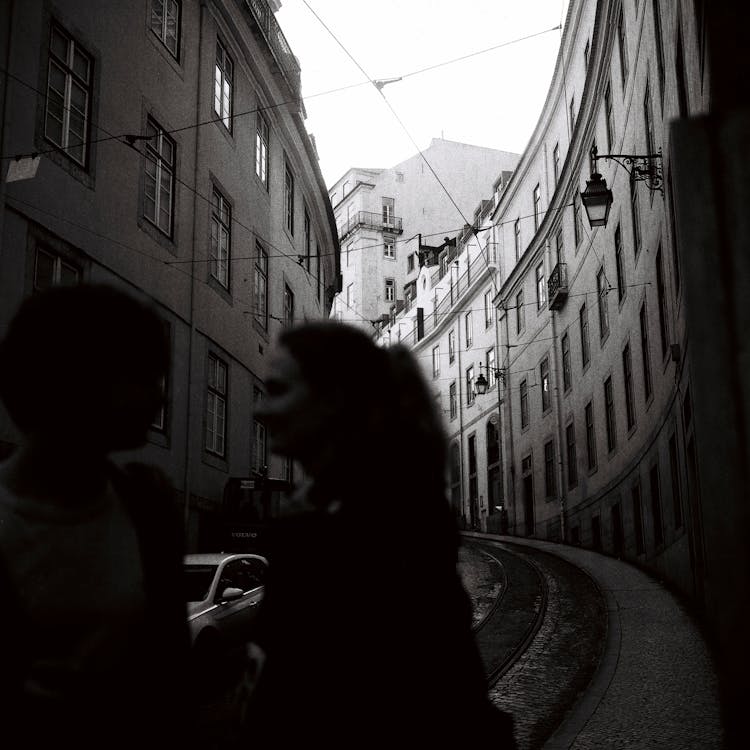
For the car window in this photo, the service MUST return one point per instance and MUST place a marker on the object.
(197, 581)
(243, 574)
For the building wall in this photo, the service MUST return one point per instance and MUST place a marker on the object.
(644, 468)
(94, 215)
(420, 204)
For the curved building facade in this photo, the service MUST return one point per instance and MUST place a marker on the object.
(585, 432)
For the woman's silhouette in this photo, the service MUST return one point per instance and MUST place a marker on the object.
(365, 625)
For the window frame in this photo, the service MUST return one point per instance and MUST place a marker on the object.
(288, 198)
(262, 143)
(153, 154)
(164, 24)
(610, 419)
(223, 85)
(220, 207)
(67, 68)
(220, 393)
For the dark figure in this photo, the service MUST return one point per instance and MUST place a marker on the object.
(365, 624)
(93, 632)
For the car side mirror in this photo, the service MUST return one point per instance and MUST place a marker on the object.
(231, 594)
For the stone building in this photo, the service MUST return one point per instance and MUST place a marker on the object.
(579, 332)
(174, 163)
(382, 214)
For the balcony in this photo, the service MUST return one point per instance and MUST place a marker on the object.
(557, 286)
(287, 63)
(370, 220)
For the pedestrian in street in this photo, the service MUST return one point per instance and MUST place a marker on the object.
(365, 624)
(93, 636)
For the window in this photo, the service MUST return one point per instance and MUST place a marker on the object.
(69, 91)
(619, 266)
(627, 372)
(602, 287)
(659, 46)
(610, 129)
(451, 345)
(51, 270)
(443, 260)
(570, 447)
(259, 459)
(165, 23)
(623, 44)
(224, 72)
(524, 391)
(261, 148)
(635, 216)
(577, 220)
(550, 489)
(388, 211)
(556, 162)
(661, 298)
(537, 206)
(541, 287)
(609, 415)
(159, 178)
(583, 324)
(390, 289)
(638, 519)
(348, 252)
(307, 239)
(673, 226)
(645, 353)
(520, 313)
(389, 249)
(260, 285)
(319, 271)
(566, 372)
(572, 112)
(656, 505)
(470, 393)
(469, 330)
(544, 381)
(221, 236)
(590, 436)
(648, 120)
(216, 406)
(349, 295)
(288, 307)
(517, 237)
(160, 420)
(489, 363)
(410, 263)
(435, 361)
(488, 309)
(289, 199)
(453, 400)
(674, 469)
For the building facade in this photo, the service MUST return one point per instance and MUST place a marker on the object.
(585, 433)
(173, 162)
(382, 214)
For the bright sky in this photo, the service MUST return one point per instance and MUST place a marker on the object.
(493, 99)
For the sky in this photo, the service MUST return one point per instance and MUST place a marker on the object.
(491, 99)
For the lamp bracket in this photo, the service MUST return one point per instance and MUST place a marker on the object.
(640, 167)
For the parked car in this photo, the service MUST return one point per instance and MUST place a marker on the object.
(223, 591)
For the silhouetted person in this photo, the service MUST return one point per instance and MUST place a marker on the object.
(93, 632)
(365, 624)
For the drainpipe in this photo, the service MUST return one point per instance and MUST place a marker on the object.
(3, 123)
(510, 472)
(558, 424)
(191, 310)
(460, 379)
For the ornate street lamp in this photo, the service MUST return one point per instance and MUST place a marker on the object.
(597, 197)
(481, 384)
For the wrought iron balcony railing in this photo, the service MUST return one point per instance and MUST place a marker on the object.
(274, 36)
(557, 286)
(371, 220)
